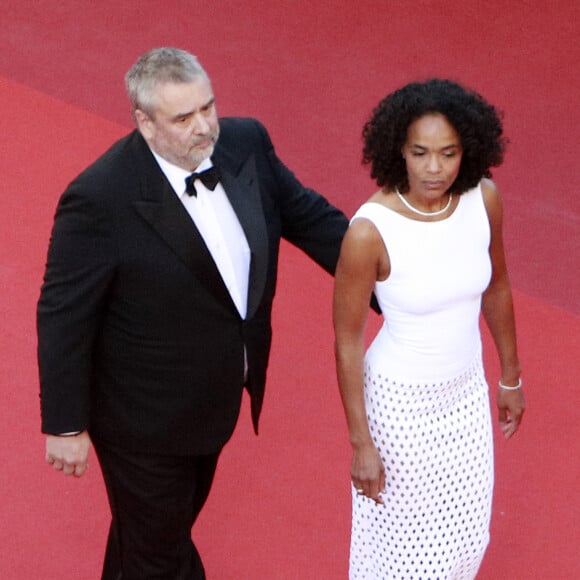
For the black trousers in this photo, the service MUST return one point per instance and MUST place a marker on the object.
(155, 500)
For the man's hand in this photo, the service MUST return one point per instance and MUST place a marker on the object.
(69, 454)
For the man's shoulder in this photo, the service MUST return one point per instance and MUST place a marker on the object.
(123, 149)
(241, 126)
(116, 160)
(239, 122)
(118, 170)
(239, 135)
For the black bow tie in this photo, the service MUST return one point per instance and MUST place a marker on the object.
(210, 178)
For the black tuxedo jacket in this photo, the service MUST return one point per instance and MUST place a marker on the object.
(138, 338)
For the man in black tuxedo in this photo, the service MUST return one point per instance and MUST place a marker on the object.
(155, 310)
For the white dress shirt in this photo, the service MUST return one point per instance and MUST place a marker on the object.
(218, 224)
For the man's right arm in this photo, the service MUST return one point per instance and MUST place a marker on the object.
(78, 272)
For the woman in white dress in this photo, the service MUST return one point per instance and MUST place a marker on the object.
(429, 245)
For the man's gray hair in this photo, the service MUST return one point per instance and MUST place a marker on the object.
(156, 67)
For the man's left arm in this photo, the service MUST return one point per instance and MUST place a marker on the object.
(308, 220)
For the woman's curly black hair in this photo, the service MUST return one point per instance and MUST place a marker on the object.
(477, 123)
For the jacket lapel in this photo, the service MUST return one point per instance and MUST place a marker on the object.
(240, 182)
(165, 213)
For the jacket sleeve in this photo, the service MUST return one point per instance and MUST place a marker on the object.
(78, 272)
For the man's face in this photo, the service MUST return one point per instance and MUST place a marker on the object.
(182, 127)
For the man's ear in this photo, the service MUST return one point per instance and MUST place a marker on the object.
(144, 123)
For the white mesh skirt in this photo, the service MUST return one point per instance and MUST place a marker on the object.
(436, 443)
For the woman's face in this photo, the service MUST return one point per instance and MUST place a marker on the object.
(432, 154)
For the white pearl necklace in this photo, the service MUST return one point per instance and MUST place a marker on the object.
(424, 213)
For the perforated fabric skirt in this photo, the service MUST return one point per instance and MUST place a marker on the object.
(436, 443)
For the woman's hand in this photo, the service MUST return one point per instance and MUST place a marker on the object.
(511, 406)
(368, 472)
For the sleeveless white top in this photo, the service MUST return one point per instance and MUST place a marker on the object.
(432, 298)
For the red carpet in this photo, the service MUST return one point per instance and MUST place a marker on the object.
(311, 72)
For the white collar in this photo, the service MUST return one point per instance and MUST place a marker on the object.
(177, 175)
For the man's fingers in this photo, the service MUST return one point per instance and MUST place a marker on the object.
(76, 469)
(80, 469)
(68, 469)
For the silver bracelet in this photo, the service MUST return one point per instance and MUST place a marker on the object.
(514, 388)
